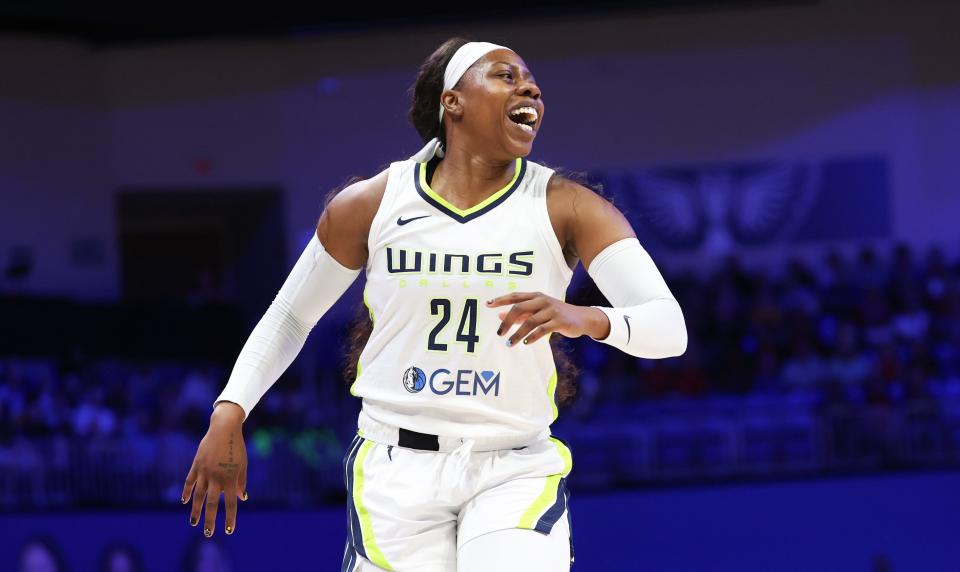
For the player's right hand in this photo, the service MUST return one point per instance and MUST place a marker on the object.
(220, 466)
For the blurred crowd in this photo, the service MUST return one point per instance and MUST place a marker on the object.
(849, 329)
(42, 553)
(84, 396)
(868, 329)
(83, 431)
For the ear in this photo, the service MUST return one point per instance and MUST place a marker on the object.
(450, 100)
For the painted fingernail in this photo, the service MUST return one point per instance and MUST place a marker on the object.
(207, 532)
(229, 530)
(499, 331)
(193, 521)
(524, 341)
(509, 343)
(245, 497)
(183, 500)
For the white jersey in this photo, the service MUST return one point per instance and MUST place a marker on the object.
(434, 362)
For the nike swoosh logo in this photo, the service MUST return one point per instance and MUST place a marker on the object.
(626, 319)
(402, 222)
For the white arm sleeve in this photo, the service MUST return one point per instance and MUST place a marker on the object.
(646, 320)
(315, 283)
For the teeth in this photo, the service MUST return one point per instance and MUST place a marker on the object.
(529, 110)
(525, 127)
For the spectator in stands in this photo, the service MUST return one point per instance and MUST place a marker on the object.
(889, 364)
(869, 273)
(205, 555)
(920, 402)
(92, 417)
(48, 412)
(40, 553)
(800, 295)
(804, 369)
(936, 280)
(691, 379)
(766, 378)
(196, 393)
(120, 556)
(848, 365)
(840, 294)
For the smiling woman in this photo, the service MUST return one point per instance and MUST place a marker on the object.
(460, 243)
(488, 86)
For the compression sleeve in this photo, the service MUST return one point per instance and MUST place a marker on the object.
(315, 283)
(646, 320)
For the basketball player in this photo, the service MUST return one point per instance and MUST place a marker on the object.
(453, 466)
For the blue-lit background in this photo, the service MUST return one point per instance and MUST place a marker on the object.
(792, 169)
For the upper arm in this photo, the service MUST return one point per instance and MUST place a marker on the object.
(344, 225)
(592, 222)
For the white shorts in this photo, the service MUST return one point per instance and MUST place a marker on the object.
(412, 509)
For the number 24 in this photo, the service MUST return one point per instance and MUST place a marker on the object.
(466, 331)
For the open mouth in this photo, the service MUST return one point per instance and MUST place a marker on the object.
(524, 117)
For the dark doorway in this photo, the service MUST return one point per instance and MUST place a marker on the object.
(198, 246)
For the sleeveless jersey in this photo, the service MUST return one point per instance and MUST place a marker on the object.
(434, 362)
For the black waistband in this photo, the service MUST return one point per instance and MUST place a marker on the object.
(415, 440)
(425, 441)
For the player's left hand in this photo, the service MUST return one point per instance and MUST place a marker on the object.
(540, 314)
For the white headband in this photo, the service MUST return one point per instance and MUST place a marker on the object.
(462, 59)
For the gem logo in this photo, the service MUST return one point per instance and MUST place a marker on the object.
(442, 381)
(414, 379)
(465, 382)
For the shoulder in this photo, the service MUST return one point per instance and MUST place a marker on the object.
(571, 202)
(344, 224)
(567, 191)
(360, 197)
(589, 219)
(563, 189)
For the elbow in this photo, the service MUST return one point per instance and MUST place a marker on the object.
(674, 345)
(670, 339)
(678, 345)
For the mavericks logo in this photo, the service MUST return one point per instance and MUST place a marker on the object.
(413, 379)
(443, 381)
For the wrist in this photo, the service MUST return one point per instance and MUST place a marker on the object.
(228, 411)
(598, 323)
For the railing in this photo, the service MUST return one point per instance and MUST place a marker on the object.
(740, 438)
(145, 471)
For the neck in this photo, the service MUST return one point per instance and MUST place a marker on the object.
(465, 177)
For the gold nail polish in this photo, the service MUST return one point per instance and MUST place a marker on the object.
(229, 530)
(207, 532)
(245, 497)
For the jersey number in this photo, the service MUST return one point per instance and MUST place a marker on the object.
(466, 331)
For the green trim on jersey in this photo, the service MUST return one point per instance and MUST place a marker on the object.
(366, 524)
(372, 319)
(465, 215)
(551, 394)
(548, 496)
